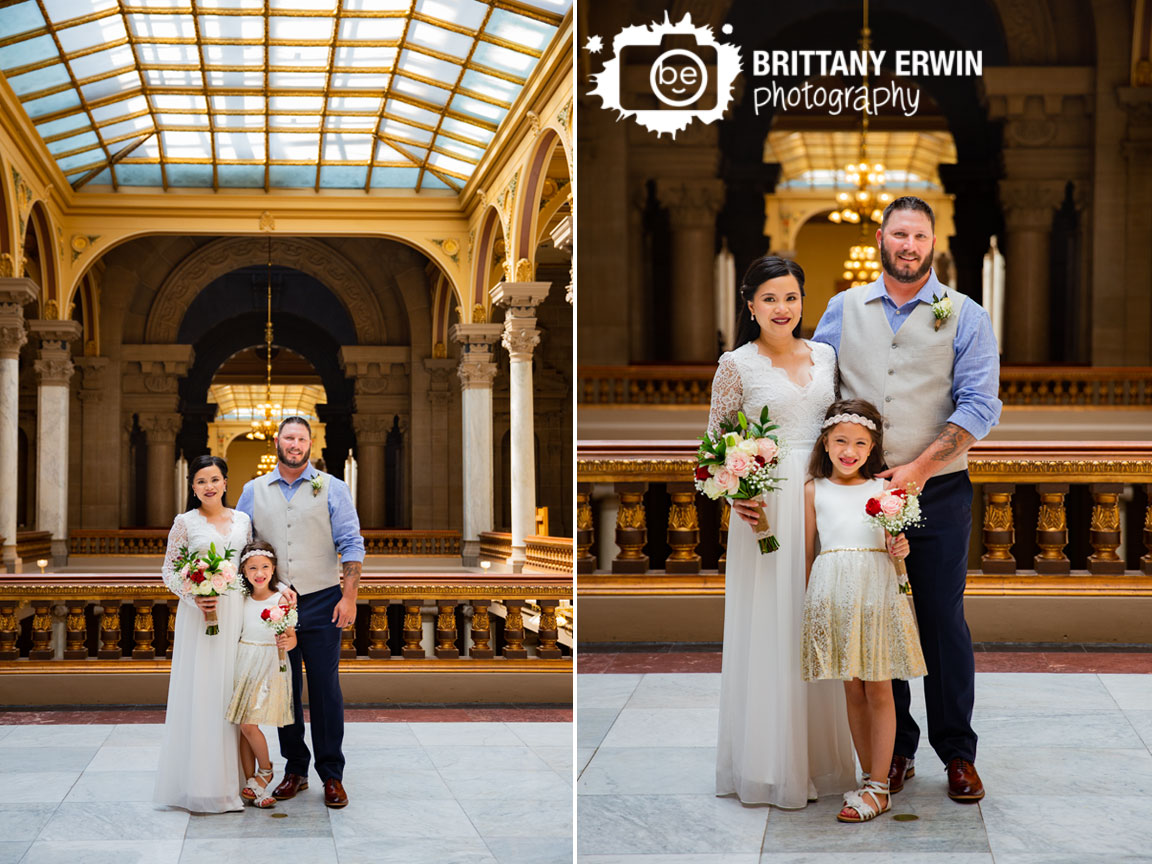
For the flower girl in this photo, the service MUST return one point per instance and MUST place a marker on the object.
(858, 628)
(262, 692)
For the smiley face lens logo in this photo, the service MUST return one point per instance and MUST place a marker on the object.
(678, 77)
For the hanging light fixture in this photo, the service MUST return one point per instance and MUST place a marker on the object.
(868, 199)
(265, 429)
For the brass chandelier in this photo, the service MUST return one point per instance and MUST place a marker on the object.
(265, 429)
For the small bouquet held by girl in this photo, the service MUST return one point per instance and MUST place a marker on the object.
(736, 462)
(280, 619)
(208, 576)
(894, 510)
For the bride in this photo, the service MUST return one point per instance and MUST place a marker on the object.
(200, 757)
(781, 741)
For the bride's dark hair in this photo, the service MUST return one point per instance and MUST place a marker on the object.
(763, 269)
(195, 467)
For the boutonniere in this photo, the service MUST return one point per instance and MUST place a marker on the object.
(941, 308)
(317, 483)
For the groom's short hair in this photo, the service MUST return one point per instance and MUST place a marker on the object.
(909, 202)
(302, 421)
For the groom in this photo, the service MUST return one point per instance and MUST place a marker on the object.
(935, 379)
(309, 518)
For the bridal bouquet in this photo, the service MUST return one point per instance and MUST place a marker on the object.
(208, 575)
(279, 619)
(893, 511)
(737, 463)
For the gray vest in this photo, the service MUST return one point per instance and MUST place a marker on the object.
(300, 531)
(906, 375)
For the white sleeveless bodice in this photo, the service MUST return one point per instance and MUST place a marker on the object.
(840, 516)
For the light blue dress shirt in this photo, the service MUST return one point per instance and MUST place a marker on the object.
(976, 368)
(341, 511)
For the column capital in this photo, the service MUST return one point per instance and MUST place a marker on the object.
(520, 337)
(476, 338)
(477, 342)
(49, 330)
(1029, 204)
(54, 364)
(691, 203)
(18, 290)
(161, 428)
(93, 371)
(520, 297)
(371, 429)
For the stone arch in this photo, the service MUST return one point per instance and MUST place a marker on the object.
(9, 255)
(220, 257)
(528, 209)
(41, 227)
(490, 223)
(443, 297)
(1029, 32)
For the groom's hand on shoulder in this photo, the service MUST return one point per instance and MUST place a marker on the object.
(902, 476)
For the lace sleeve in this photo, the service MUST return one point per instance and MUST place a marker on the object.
(177, 538)
(727, 394)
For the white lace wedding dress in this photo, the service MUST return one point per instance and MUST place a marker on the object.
(199, 757)
(781, 741)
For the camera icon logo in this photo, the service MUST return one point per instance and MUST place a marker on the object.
(667, 75)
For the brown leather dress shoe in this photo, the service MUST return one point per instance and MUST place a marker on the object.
(903, 768)
(334, 795)
(289, 786)
(963, 781)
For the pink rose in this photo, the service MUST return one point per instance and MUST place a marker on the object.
(890, 505)
(219, 581)
(275, 613)
(738, 464)
(727, 481)
(767, 449)
(184, 571)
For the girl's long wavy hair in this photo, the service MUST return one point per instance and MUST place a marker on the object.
(763, 269)
(195, 467)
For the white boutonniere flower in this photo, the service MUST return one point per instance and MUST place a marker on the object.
(941, 308)
(317, 483)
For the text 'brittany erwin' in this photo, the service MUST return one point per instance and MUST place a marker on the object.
(906, 63)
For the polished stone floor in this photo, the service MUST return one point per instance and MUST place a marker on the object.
(484, 792)
(1066, 759)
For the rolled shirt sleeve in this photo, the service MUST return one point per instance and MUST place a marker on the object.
(975, 373)
(831, 323)
(345, 522)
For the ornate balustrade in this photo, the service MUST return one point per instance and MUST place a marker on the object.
(1037, 386)
(152, 541)
(548, 554)
(495, 545)
(32, 546)
(83, 622)
(1050, 519)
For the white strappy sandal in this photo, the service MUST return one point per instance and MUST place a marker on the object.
(866, 812)
(257, 795)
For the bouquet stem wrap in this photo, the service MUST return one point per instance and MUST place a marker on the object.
(213, 623)
(765, 539)
(283, 659)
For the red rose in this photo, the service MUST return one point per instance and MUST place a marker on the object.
(872, 508)
(264, 614)
(899, 492)
(702, 473)
(196, 577)
(761, 461)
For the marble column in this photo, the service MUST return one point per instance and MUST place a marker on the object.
(14, 294)
(562, 240)
(692, 206)
(371, 434)
(53, 374)
(160, 500)
(520, 339)
(1028, 210)
(477, 371)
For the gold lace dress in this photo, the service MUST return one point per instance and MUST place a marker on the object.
(261, 693)
(857, 624)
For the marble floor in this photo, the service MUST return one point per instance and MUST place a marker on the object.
(1066, 758)
(481, 792)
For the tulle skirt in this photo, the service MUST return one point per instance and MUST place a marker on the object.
(262, 693)
(857, 624)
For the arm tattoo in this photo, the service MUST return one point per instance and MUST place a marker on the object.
(952, 442)
(351, 575)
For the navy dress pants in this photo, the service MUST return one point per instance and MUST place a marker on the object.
(938, 571)
(318, 649)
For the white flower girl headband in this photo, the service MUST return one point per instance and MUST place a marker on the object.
(833, 420)
(256, 552)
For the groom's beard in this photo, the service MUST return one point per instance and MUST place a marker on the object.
(284, 460)
(886, 262)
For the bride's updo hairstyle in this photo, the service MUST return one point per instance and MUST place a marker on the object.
(763, 269)
(195, 467)
(820, 465)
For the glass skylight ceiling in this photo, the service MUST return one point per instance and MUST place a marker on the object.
(344, 94)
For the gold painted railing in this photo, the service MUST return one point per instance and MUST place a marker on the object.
(553, 554)
(1021, 500)
(110, 618)
(1112, 386)
(153, 541)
